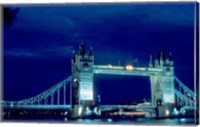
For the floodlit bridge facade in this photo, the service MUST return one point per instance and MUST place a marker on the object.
(167, 91)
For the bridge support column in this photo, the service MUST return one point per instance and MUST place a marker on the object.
(162, 86)
(82, 96)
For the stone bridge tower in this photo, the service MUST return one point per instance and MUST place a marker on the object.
(82, 93)
(162, 85)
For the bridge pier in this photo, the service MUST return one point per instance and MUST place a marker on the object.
(81, 111)
(165, 110)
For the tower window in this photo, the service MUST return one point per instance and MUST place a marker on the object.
(86, 65)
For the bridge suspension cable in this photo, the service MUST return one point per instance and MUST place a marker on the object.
(184, 87)
(45, 95)
(184, 98)
(187, 96)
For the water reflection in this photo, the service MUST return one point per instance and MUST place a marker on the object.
(141, 121)
(109, 120)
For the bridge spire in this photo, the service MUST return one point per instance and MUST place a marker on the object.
(82, 49)
(73, 56)
(150, 62)
(171, 59)
(170, 56)
(90, 53)
(161, 57)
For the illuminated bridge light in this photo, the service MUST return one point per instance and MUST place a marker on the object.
(129, 67)
(110, 66)
(75, 80)
(167, 112)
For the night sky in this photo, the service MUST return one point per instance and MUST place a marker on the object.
(39, 39)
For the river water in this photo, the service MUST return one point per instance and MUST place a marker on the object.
(129, 121)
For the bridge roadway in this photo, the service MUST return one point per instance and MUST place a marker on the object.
(125, 70)
(37, 106)
(102, 107)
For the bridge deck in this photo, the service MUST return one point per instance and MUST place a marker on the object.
(102, 107)
(37, 106)
(121, 70)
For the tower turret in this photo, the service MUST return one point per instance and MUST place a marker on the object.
(90, 53)
(150, 62)
(73, 56)
(91, 57)
(82, 50)
(171, 62)
(161, 58)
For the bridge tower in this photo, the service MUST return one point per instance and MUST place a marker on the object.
(82, 93)
(162, 85)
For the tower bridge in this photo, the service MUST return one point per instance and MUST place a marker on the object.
(165, 94)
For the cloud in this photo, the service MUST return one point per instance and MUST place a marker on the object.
(21, 53)
(55, 30)
(59, 50)
(47, 52)
(97, 22)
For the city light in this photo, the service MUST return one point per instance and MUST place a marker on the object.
(128, 113)
(75, 79)
(80, 110)
(65, 119)
(96, 111)
(109, 120)
(88, 112)
(65, 113)
(175, 111)
(129, 67)
(167, 112)
(110, 66)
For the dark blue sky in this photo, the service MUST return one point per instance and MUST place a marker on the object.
(38, 45)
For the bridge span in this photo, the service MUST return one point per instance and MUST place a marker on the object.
(125, 70)
(167, 91)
